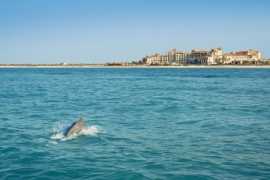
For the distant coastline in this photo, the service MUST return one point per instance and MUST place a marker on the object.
(126, 66)
(196, 58)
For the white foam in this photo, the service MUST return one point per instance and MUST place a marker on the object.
(92, 130)
(57, 136)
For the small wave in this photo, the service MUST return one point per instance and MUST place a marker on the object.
(58, 133)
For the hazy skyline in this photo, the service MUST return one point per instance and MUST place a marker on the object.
(101, 31)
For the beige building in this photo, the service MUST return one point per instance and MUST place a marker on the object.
(172, 57)
(153, 59)
(215, 56)
(242, 57)
(217, 53)
(157, 59)
(177, 57)
(197, 56)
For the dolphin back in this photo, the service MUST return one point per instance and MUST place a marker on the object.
(75, 128)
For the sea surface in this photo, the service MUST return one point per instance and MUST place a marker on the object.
(142, 123)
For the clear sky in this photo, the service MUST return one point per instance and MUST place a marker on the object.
(96, 31)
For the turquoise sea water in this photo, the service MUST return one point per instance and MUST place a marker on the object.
(143, 123)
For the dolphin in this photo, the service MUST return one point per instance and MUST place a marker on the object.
(75, 128)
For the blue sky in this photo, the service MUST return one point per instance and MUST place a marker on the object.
(96, 31)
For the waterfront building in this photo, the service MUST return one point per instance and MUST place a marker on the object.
(164, 59)
(204, 57)
(171, 56)
(242, 57)
(153, 59)
(217, 53)
(198, 56)
(215, 57)
(181, 57)
(156, 59)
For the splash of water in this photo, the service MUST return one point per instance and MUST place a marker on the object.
(58, 132)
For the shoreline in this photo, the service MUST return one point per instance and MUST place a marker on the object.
(142, 66)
